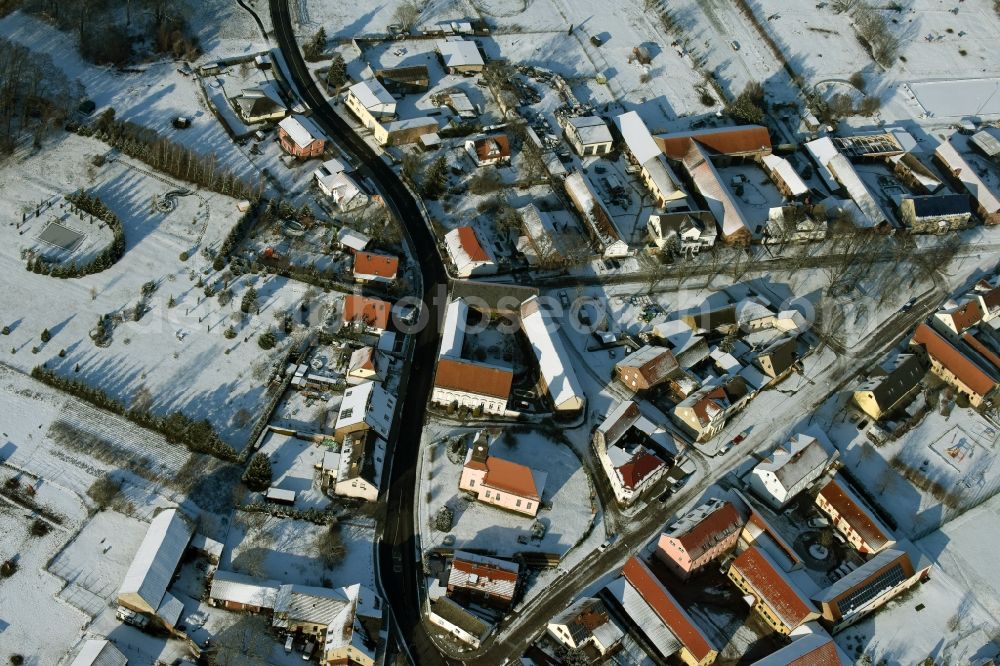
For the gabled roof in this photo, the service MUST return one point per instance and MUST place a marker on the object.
(839, 496)
(890, 389)
(638, 468)
(744, 139)
(372, 311)
(654, 363)
(492, 147)
(965, 173)
(954, 360)
(560, 378)
(773, 587)
(367, 403)
(460, 53)
(377, 265)
(469, 240)
(491, 575)
(590, 129)
(865, 574)
(637, 137)
(965, 316)
(514, 478)
(816, 649)
(159, 553)
(795, 459)
(300, 130)
(99, 653)
(478, 378)
(235, 587)
(362, 359)
(371, 93)
(666, 607)
(705, 526)
(934, 205)
(355, 240)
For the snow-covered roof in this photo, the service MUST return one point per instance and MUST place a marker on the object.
(372, 94)
(460, 53)
(637, 137)
(411, 123)
(590, 129)
(367, 402)
(99, 653)
(596, 216)
(861, 575)
(489, 575)
(170, 609)
(846, 175)
(822, 151)
(453, 331)
(644, 617)
(787, 173)
(718, 197)
(664, 178)
(678, 334)
(958, 165)
(159, 553)
(301, 603)
(795, 459)
(542, 232)
(300, 129)
(813, 648)
(352, 239)
(558, 375)
(467, 252)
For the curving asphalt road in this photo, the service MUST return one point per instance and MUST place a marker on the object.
(398, 533)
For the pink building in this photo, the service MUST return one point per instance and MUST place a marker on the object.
(699, 537)
(501, 483)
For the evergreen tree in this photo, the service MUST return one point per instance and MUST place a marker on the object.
(258, 473)
(249, 301)
(46, 336)
(267, 340)
(436, 178)
(336, 76)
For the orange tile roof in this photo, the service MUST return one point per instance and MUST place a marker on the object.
(726, 141)
(704, 534)
(381, 265)
(372, 311)
(824, 655)
(470, 243)
(666, 607)
(511, 477)
(486, 146)
(772, 588)
(966, 315)
(953, 360)
(983, 350)
(856, 516)
(992, 299)
(459, 375)
(637, 469)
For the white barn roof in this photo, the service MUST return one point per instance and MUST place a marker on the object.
(238, 588)
(355, 240)
(460, 53)
(637, 137)
(542, 333)
(372, 94)
(786, 171)
(99, 653)
(159, 553)
(453, 330)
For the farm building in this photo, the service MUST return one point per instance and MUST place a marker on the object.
(473, 385)
(238, 592)
(371, 103)
(98, 652)
(646, 156)
(589, 135)
(403, 132)
(557, 378)
(603, 231)
(404, 80)
(956, 166)
(936, 213)
(460, 56)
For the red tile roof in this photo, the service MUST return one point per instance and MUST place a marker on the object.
(459, 375)
(984, 351)
(854, 514)
(992, 299)
(710, 402)
(726, 141)
(666, 607)
(772, 587)
(637, 469)
(492, 147)
(824, 655)
(511, 477)
(706, 532)
(470, 243)
(381, 265)
(371, 311)
(484, 570)
(953, 360)
(966, 316)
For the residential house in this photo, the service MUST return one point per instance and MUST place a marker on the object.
(98, 652)
(963, 173)
(778, 358)
(259, 105)
(490, 150)
(776, 598)
(687, 232)
(299, 137)
(557, 378)
(859, 524)
(366, 406)
(458, 622)
(601, 228)
(363, 366)
(699, 537)
(784, 176)
(344, 622)
(460, 56)
(987, 142)
(706, 410)
(589, 135)
(238, 592)
(335, 181)
(371, 103)
(144, 588)
(862, 591)
(954, 366)
(645, 155)
(405, 80)
(790, 468)
(654, 613)
(955, 320)
(356, 469)
(372, 267)
(487, 581)
(586, 625)
(350, 239)
(646, 368)
(500, 482)
(883, 394)
(468, 254)
(474, 385)
(629, 448)
(712, 318)
(546, 241)
(936, 213)
(405, 131)
(369, 314)
(813, 649)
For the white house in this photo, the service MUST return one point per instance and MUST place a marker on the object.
(625, 443)
(371, 102)
(365, 406)
(586, 623)
(557, 375)
(687, 232)
(468, 254)
(589, 135)
(790, 469)
(356, 470)
(458, 622)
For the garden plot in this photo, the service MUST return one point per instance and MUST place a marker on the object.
(293, 467)
(30, 593)
(569, 505)
(291, 551)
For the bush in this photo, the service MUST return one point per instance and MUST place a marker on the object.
(329, 546)
(219, 263)
(104, 491)
(258, 473)
(249, 301)
(858, 81)
(45, 336)
(8, 568)
(39, 527)
(16, 659)
(267, 340)
(229, 333)
(870, 105)
(184, 256)
(443, 519)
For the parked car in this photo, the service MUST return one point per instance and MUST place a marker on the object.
(607, 543)
(908, 305)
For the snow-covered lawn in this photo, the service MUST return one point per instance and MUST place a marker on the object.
(293, 464)
(480, 526)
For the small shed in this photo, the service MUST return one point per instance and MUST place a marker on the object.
(280, 496)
